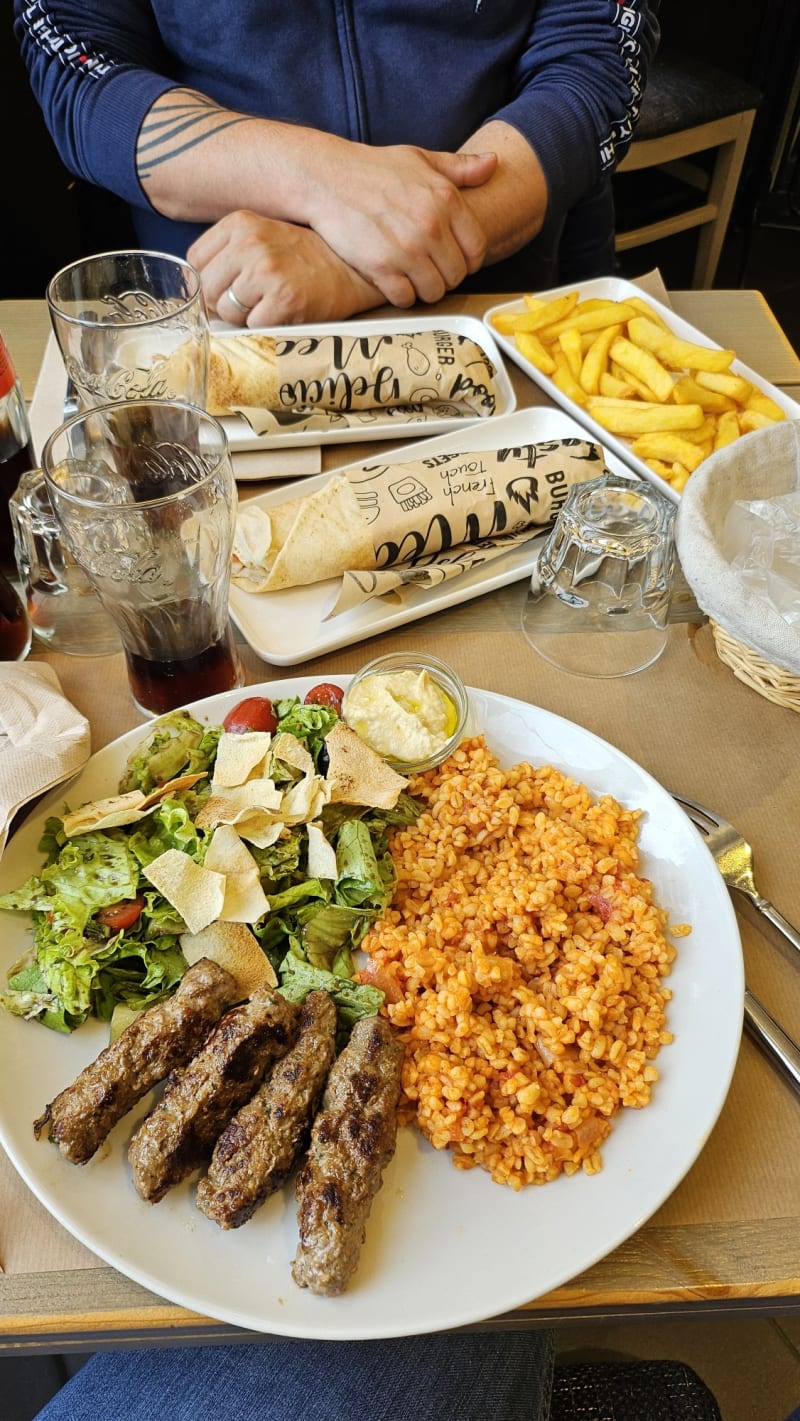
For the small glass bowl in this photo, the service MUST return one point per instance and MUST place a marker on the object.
(446, 681)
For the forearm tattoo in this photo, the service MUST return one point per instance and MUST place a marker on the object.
(183, 120)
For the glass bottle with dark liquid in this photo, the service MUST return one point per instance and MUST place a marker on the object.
(15, 630)
(16, 450)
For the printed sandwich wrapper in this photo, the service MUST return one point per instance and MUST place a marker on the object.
(393, 515)
(341, 380)
(361, 586)
(47, 413)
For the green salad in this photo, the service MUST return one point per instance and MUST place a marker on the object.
(104, 938)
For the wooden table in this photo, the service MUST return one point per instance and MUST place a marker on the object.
(728, 1239)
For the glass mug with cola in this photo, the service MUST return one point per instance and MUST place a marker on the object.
(145, 499)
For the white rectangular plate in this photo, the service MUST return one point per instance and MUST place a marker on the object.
(288, 627)
(612, 288)
(328, 427)
(47, 413)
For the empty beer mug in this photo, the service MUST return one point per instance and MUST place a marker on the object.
(598, 603)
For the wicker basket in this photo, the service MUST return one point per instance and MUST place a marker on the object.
(764, 464)
(773, 682)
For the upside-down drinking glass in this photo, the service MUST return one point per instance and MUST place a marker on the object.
(598, 603)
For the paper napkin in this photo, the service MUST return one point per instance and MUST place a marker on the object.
(762, 465)
(43, 738)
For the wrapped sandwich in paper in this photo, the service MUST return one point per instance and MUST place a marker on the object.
(342, 372)
(382, 515)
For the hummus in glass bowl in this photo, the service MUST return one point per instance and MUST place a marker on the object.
(412, 709)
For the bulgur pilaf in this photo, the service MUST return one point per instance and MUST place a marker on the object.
(526, 960)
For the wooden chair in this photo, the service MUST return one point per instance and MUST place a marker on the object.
(690, 108)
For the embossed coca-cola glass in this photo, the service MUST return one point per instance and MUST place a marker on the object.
(145, 498)
(131, 326)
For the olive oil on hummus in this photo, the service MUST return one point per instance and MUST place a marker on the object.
(404, 715)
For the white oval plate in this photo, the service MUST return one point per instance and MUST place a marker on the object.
(444, 1248)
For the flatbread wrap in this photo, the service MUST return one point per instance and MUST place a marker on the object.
(381, 515)
(344, 372)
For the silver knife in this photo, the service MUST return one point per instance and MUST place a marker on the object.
(774, 1041)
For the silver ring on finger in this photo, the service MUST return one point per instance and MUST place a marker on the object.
(234, 300)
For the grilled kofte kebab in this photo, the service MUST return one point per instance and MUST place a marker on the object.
(162, 1038)
(352, 1141)
(259, 1148)
(199, 1100)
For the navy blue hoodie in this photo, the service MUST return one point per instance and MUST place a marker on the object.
(567, 74)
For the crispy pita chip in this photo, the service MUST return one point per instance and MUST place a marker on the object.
(119, 809)
(357, 775)
(304, 801)
(196, 893)
(227, 854)
(257, 804)
(239, 756)
(228, 806)
(321, 854)
(254, 828)
(172, 787)
(106, 813)
(245, 900)
(258, 824)
(293, 752)
(232, 946)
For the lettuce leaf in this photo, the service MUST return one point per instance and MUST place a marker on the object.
(178, 745)
(353, 1000)
(310, 724)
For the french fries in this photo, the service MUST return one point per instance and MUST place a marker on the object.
(676, 400)
(641, 416)
(646, 367)
(679, 354)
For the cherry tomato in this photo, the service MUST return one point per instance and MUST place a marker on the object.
(325, 694)
(254, 713)
(372, 974)
(120, 915)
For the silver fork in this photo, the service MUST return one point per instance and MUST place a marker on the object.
(734, 859)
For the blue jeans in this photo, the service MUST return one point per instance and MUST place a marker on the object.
(466, 1376)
